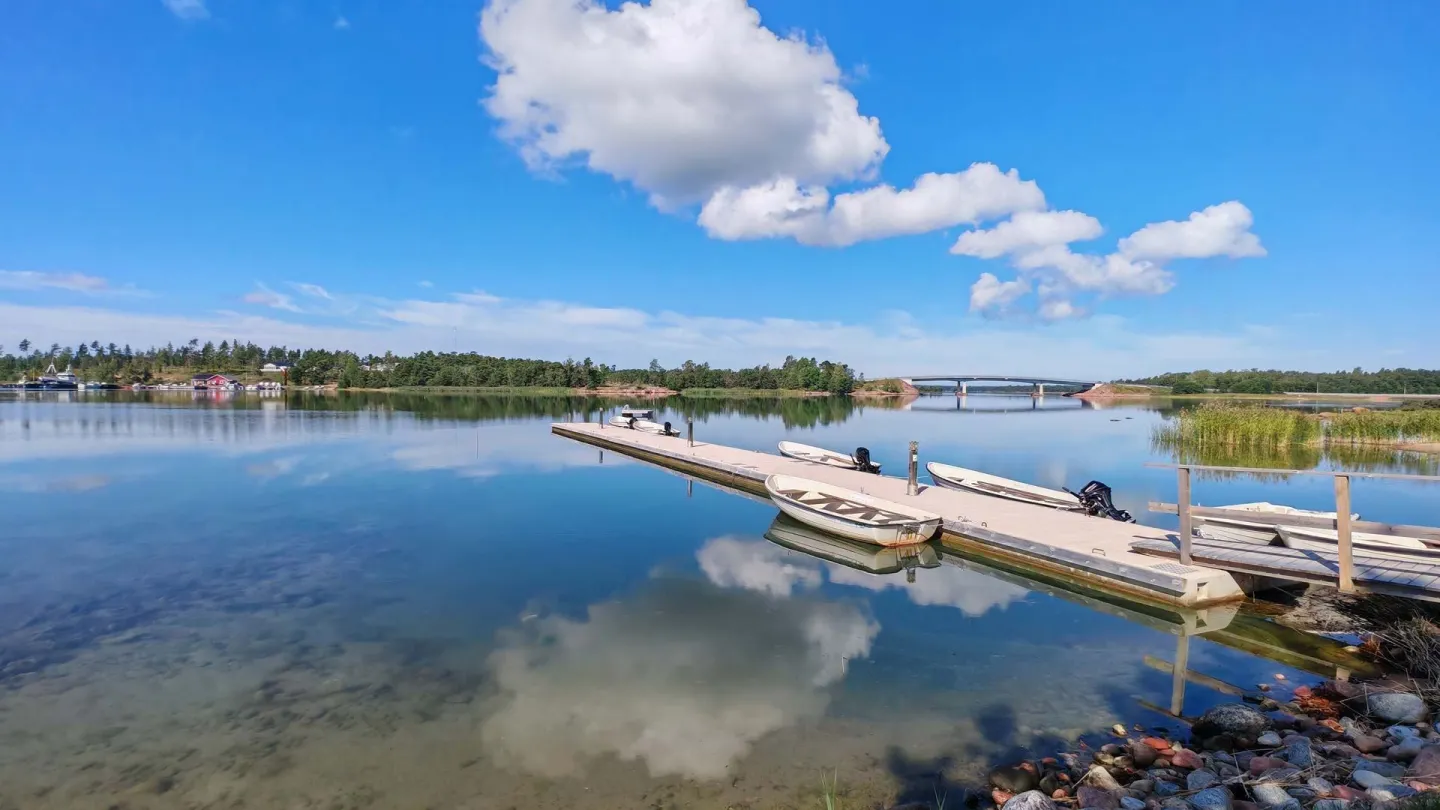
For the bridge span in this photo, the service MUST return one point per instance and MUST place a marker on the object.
(962, 381)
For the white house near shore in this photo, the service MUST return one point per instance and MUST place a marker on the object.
(274, 368)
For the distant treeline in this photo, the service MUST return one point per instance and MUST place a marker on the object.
(1256, 381)
(110, 362)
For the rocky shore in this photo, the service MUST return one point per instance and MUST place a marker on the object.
(1337, 746)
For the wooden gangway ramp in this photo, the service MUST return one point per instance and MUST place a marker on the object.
(1417, 579)
(1088, 549)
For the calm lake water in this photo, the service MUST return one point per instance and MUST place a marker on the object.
(371, 601)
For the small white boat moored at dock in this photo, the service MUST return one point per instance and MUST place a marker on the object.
(644, 425)
(879, 560)
(638, 413)
(948, 475)
(819, 455)
(1240, 530)
(850, 514)
(1365, 544)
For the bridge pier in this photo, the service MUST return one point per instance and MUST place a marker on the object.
(1039, 391)
(963, 390)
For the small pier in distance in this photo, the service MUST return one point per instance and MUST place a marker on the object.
(1073, 547)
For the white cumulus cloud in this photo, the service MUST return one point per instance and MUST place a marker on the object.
(1037, 244)
(989, 292)
(1220, 230)
(783, 208)
(696, 102)
(679, 97)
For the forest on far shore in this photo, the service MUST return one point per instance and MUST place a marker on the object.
(1256, 381)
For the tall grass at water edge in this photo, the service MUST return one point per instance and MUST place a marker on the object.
(1237, 427)
(1384, 426)
(1248, 435)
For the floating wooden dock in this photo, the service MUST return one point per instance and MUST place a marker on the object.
(1417, 579)
(1073, 546)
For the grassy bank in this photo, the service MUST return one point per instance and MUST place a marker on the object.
(1244, 429)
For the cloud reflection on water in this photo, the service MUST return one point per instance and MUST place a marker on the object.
(683, 677)
(762, 566)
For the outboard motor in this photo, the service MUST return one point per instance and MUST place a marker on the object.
(1095, 498)
(862, 461)
(669, 431)
(630, 423)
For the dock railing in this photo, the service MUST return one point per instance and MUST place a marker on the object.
(1341, 523)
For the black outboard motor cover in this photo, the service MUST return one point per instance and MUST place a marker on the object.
(669, 431)
(862, 461)
(1095, 497)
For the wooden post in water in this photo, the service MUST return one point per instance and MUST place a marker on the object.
(912, 484)
(1342, 528)
(1182, 503)
(690, 431)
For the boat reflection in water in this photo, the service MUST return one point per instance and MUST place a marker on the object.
(792, 534)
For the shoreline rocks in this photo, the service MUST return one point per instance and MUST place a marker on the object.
(1355, 755)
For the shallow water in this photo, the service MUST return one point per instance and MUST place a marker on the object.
(400, 601)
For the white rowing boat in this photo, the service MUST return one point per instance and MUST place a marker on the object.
(830, 458)
(1385, 546)
(871, 559)
(952, 477)
(851, 514)
(1239, 529)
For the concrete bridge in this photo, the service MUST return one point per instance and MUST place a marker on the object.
(962, 381)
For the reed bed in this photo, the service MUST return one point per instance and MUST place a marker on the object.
(1237, 427)
(1384, 426)
(1226, 434)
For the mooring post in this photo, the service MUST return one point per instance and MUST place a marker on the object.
(1342, 529)
(1182, 503)
(912, 485)
(602, 418)
(690, 431)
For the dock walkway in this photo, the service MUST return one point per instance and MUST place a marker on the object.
(1417, 579)
(1071, 545)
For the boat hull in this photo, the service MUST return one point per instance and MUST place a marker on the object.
(819, 455)
(951, 477)
(1362, 544)
(642, 425)
(867, 557)
(845, 513)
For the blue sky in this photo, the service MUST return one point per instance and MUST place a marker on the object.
(1117, 188)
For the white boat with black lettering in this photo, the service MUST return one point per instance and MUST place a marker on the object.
(1239, 529)
(847, 513)
(1362, 544)
(644, 425)
(819, 455)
